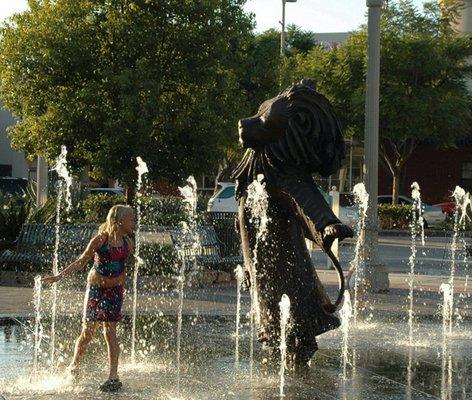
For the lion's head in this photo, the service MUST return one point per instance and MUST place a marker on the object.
(298, 128)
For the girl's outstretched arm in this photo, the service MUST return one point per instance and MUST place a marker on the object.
(95, 243)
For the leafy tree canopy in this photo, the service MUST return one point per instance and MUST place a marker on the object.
(423, 95)
(114, 79)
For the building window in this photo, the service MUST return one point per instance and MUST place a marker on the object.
(6, 170)
(466, 176)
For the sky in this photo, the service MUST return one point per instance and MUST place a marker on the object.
(314, 15)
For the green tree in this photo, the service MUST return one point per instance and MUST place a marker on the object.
(299, 40)
(260, 78)
(423, 96)
(112, 80)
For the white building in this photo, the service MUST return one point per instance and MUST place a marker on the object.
(12, 163)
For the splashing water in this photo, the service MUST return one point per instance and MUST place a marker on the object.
(446, 289)
(446, 359)
(417, 222)
(189, 192)
(257, 204)
(38, 328)
(345, 313)
(63, 173)
(361, 198)
(84, 306)
(238, 271)
(463, 203)
(462, 200)
(284, 318)
(188, 250)
(141, 169)
(409, 374)
(64, 176)
(190, 229)
(180, 288)
(416, 196)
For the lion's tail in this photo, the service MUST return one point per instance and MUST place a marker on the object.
(342, 281)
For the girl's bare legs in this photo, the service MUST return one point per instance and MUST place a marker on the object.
(86, 336)
(109, 331)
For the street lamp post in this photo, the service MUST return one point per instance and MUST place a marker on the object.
(376, 273)
(282, 35)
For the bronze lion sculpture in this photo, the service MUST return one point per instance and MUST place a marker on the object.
(292, 136)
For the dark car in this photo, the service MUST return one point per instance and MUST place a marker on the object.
(16, 187)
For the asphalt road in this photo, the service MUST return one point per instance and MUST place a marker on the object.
(435, 258)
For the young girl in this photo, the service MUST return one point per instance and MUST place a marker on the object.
(110, 249)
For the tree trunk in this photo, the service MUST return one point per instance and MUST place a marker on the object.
(397, 174)
(130, 194)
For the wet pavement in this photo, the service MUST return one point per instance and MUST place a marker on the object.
(382, 364)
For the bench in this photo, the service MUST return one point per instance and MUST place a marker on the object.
(209, 248)
(35, 244)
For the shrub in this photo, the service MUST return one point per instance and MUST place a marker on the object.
(202, 201)
(13, 214)
(95, 207)
(394, 216)
(160, 259)
(448, 224)
(166, 211)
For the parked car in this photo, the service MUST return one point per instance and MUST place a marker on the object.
(110, 191)
(224, 200)
(348, 214)
(447, 208)
(432, 215)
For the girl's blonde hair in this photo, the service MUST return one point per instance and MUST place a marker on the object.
(116, 214)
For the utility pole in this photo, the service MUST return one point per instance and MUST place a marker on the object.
(282, 35)
(376, 273)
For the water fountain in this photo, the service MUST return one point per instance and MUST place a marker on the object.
(188, 251)
(64, 176)
(238, 271)
(345, 314)
(191, 238)
(257, 205)
(284, 326)
(38, 328)
(332, 375)
(446, 360)
(180, 289)
(381, 362)
(417, 222)
(361, 198)
(462, 202)
(141, 169)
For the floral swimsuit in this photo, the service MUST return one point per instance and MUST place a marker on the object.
(104, 304)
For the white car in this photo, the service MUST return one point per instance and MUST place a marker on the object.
(224, 200)
(432, 215)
